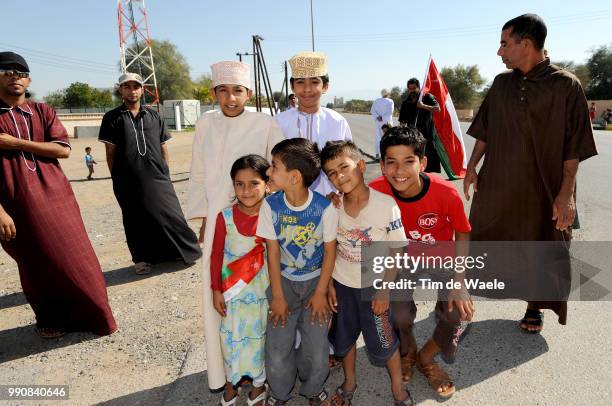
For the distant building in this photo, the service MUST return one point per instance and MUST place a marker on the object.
(338, 101)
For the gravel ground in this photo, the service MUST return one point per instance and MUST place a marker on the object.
(158, 315)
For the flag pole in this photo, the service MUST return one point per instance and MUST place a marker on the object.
(420, 98)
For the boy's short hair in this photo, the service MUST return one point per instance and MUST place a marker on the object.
(382, 127)
(302, 155)
(528, 26)
(324, 79)
(87, 149)
(408, 136)
(334, 149)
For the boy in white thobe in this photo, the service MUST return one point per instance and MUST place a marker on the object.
(221, 137)
(309, 81)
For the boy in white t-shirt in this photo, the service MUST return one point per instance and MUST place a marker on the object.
(366, 216)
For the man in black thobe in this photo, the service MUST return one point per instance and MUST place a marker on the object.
(419, 114)
(135, 138)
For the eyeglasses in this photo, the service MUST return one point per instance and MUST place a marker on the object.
(14, 72)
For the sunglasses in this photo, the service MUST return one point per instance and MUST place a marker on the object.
(14, 72)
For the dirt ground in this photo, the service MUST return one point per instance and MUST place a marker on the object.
(158, 315)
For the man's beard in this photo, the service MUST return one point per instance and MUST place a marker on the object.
(13, 93)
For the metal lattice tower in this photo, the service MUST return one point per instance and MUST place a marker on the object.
(135, 46)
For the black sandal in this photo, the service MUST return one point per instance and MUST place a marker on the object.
(533, 318)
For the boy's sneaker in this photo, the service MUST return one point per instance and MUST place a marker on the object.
(320, 399)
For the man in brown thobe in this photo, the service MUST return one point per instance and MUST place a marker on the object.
(533, 129)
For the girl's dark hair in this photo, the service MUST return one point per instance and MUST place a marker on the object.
(252, 161)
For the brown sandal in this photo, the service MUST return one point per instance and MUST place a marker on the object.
(50, 333)
(407, 362)
(437, 377)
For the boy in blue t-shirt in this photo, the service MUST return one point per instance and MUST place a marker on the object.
(300, 227)
(89, 162)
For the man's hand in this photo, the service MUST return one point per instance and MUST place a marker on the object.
(461, 300)
(471, 177)
(320, 308)
(332, 299)
(219, 303)
(7, 227)
(380, 304)
(279, 311)
(8, 142)
(564, 211)
(335, 198)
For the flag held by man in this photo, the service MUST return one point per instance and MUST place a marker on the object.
(448, 138)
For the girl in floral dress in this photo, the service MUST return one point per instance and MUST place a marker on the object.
(239, 279)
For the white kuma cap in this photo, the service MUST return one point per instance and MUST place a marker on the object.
(231, 73)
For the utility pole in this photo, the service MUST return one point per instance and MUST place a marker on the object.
(135, 46)
(312, 26)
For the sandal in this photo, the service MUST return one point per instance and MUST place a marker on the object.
(142, 268)
(409, 401)
(534, 318)
(437, 377)
(407, 362)
(50, 333)
(320, 400)
(343, 397)
(231, 402)
(260, 398)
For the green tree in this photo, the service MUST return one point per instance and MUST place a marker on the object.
(79, 95)
(463, 83)
(396, 96)
(103, 98)
(600, 68)
(358, 106)
(202, 89)
(580, 70)
(171, 70)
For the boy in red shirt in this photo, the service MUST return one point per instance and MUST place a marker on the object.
(431, 211)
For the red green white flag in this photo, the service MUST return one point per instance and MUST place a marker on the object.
(448, 140)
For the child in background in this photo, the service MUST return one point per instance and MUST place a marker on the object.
(239, 279)
(89, 162)
(366, 217)
(299, 226)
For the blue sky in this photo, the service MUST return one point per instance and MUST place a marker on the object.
(370, 45)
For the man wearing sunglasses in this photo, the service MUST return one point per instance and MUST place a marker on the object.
(40, 223)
